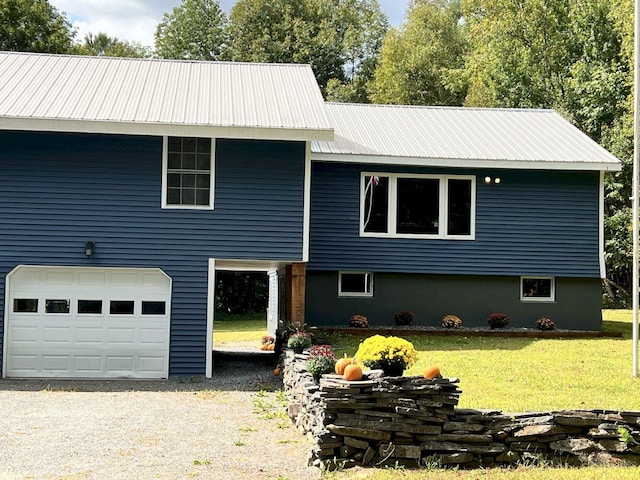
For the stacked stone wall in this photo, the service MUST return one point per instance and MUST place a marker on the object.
(412, 421)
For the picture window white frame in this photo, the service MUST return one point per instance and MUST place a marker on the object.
(443, 217)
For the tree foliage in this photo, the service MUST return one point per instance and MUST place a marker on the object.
(34, 26)
(102, 44)
(195, 29)
(336, 37)
(422, 62)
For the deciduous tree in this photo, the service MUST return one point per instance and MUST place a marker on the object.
(195, 29)
(34, 26)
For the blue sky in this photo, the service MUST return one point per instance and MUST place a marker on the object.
(136, 20)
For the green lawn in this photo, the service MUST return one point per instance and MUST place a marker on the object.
(522, 374)
(517, 375)
(229, 328)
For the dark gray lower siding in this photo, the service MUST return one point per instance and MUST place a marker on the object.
(472, 298)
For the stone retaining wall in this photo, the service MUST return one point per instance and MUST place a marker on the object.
(412, 421)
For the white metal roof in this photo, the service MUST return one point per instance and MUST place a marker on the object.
(160, 97)
(456, 136)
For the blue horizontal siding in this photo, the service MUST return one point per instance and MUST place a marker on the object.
(532, 223)
(59, 190)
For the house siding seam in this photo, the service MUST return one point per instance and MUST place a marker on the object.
(59, 190)
(532, 223)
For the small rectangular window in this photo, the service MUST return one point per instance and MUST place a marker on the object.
(121, 307)
(355, 284)
(537, 289)
(188, 172)
(57, 306)
(25, 305)
(153, 308)
(459, 207)
(90, 307)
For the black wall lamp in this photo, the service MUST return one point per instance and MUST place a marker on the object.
(89, 248)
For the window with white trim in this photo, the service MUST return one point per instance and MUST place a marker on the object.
(355, 284)
(537, 289)
(187, 172)
(417, 206)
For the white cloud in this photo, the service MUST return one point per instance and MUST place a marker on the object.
(136, 20)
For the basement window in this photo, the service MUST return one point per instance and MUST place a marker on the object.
(537, 289)
(355, 284)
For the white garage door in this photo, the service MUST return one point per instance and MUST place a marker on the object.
(77, 322)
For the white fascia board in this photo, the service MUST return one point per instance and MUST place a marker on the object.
(468, 163)
(139, 128)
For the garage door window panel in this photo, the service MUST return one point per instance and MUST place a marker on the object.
(25, 305)
(121, 307)
(57, 306)
(154, 308)
(90, 307)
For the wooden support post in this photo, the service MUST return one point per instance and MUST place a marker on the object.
(295, 292)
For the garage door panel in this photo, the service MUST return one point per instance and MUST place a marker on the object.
(27, 334)
(88, 335)
(88, 365)
(55, 363)
(117, 336)
(23, 363)
(57, 335)
(94, 343)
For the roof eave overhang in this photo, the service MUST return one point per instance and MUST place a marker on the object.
(612, 166)
(160, 129)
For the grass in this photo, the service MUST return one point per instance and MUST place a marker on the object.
(508, 374)
(522, 374)
(229, 328)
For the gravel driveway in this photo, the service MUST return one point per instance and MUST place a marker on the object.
(229, 427)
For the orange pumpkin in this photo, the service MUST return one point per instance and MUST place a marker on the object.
(432, 372)
(276, 371)
(352, 372)
(342, 363)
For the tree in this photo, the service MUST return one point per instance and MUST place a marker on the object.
(34, 26)
(336, 37)
(104, 45)
(196, 30)
(572, 56)
(422, 62)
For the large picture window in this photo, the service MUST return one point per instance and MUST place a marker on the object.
(188, 172)
(425, 206)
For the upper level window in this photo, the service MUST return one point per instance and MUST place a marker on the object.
(537, 289)
(424, 206)
(187, 172)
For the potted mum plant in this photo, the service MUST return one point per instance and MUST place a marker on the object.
(393, 355)
(358, 321)
(298, 341)
(497, 320)
(322, 359)
(403, 318)
(545, 324)
(451, 321)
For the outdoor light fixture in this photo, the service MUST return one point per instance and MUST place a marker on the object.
(495, 180)
(89, 248)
